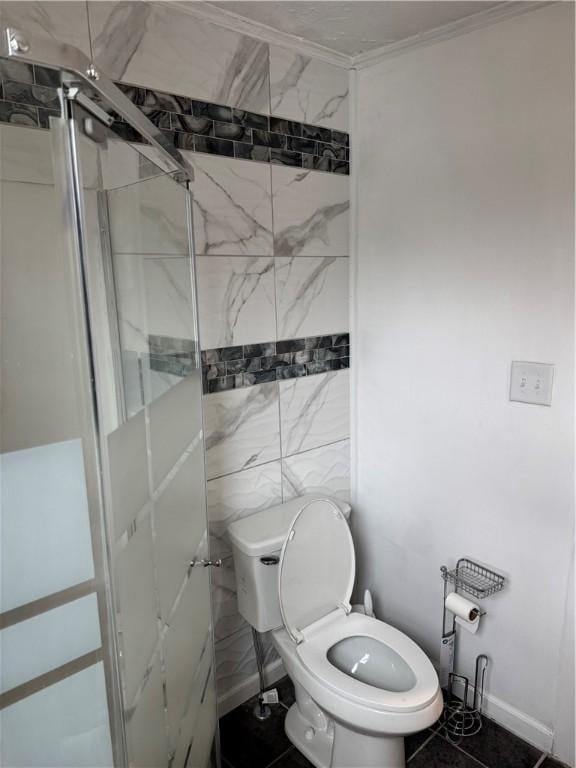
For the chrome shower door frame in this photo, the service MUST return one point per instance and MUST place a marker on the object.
(69, 185)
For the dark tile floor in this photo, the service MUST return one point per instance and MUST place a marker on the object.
(248, 743)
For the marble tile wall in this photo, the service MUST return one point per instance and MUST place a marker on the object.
(210, 89)
(266, 129)
(232, 207)
(162, 47)
(305, 89)
(276, 349)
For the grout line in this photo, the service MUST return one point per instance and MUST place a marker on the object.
(463, 751)
(461, 748)
(290, 748)
(275, 278)
(445, 738)
(324, 445)
(424, 743)
(273, 461)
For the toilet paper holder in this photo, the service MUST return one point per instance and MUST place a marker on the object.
(460, 719)
(472, 578)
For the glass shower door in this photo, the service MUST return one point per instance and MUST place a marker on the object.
(137, 248)
(57, 671)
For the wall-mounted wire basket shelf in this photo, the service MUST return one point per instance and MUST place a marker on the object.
(473, 578)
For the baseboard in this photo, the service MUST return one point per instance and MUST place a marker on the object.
(519, 723)
(249, 687)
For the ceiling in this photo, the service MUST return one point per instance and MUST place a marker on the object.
(353, 28)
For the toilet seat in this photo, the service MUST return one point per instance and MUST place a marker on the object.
(316, 576)
(317, 566)
(313, 653)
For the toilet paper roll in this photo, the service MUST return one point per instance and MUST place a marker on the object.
(469, 626)
(466, 612)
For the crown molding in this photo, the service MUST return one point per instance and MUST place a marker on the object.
(244, 26)
(500, 12)
(230, 20)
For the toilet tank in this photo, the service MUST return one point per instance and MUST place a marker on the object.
(256, 545)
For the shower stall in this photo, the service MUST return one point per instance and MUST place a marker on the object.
(106, 631)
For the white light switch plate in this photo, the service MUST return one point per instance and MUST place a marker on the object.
(531, 383)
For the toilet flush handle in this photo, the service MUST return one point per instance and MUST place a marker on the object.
(270, 560)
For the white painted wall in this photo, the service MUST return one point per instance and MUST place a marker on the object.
(464, 155)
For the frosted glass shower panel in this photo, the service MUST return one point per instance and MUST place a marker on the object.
(44, 522)
(147, 742)
(35, 646)
(70, 725)
(54, 653)
(137, 619)
(180, 532)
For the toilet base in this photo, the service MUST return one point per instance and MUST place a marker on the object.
(339, 747)
(315, 744)
(360, 750)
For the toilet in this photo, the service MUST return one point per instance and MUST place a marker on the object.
(361, 685)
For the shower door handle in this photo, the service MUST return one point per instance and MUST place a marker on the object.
(206, 563)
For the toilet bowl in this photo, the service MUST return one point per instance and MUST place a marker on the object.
(369, 721)
(361, 685)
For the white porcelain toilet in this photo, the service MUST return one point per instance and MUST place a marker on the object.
(361, 685)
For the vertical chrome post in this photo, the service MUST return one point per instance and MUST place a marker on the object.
(68, 182)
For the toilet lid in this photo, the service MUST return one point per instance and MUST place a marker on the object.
(317, 566)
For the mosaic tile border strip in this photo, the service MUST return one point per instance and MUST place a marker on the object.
(28, 97)
(245, 365)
